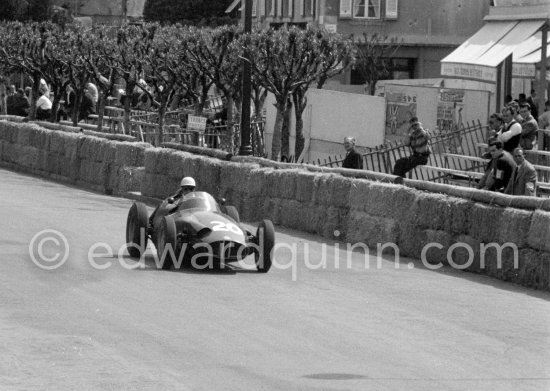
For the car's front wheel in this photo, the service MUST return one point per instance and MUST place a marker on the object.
(265, 239)
(167, 243)
(136, 230)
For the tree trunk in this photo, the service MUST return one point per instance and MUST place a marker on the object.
(55, 108)
(277, 129)
(76, 108)
(300, 103)
(285, 132)
(101, 112)
(127, 110)
(162, 114)
(3, 98)
(229, 123)
(34, 97)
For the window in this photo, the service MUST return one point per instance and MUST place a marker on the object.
(270, 7)
(366, 9)
(345, 8)
(391, 9)
(309, 7)
(290, 8)
(254, 8)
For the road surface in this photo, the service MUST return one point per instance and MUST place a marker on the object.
(124, 325)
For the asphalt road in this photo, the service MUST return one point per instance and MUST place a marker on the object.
(130, 326)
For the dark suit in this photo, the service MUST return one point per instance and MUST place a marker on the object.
(523, 181)
(353, 160)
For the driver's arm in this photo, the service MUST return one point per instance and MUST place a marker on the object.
(176, 196)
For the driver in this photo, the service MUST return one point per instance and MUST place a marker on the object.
(187, 185)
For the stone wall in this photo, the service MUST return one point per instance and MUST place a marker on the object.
(421, 219)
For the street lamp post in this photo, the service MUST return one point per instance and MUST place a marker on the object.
(246, 148)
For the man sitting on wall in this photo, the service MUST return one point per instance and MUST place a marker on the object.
(353, 158)
(418, 140)
(499, 170)
(524, 178)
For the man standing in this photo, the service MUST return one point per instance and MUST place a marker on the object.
(500, 169)
(544, 119)
(496, 125)
(512, 130)
(418, 140)
(524, 178)
(532, 100)
(529, 128)
(353, 158)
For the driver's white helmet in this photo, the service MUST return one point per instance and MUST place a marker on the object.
(188, 181)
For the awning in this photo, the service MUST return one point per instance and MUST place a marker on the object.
(232, 6)
(479, 56)
(527, 55)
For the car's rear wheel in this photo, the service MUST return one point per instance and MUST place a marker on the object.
(265, 237)
(136, 230)
(232, 212)
(167, 243)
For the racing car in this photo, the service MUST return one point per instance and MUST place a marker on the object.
(197, 228)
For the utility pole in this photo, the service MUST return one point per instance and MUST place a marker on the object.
(124, 12)
(246, 148)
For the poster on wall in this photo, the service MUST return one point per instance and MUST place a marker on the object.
(401, 107)
(450, 109)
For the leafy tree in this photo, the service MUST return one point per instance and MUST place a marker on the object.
(373, 55)
(102, 67)
(132, 44)
(217, 54)
(191, 12)
(330, 55)
(287, 61)
(8, 9)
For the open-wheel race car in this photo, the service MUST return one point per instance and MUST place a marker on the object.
(195, 230)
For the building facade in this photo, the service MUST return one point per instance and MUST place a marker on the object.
(428, 29)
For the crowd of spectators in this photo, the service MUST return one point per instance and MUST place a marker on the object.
(511, 133)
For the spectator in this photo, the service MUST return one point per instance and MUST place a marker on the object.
(92, 91)
(28, 91)
(532, 100)
(544, 119)
(10, 94)
(523, 181)
(514, 105)
(353, 159)
(44, 89)
(507, 100)
(496, 125)
(418, 140)
(20, 104)
(43, 107)
(529, 128)
(500, 168)
(512, 130)
(87, 106)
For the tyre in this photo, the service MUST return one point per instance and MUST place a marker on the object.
(232, 212)
(265, 237)
(166, 243)
(136, 230)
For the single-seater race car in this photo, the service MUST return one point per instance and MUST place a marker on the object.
(195, 230)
